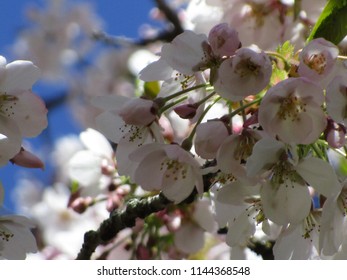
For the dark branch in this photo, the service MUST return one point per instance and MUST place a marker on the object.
(163, 36)
(119, 220)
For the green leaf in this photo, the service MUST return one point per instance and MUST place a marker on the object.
(286, 50)
(332, 23)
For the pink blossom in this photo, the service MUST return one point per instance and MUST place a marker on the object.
(291, 110)
(318, 61)
(246, 73)
(224, 40)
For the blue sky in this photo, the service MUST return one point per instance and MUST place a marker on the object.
(120, 17)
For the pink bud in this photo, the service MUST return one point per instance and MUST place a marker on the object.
(335, 134)
(80, 204)
(224, 40)
(186, 111)
(27, 159)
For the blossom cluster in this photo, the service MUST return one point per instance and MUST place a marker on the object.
(244, 134)
(271, 166)
(22, 114)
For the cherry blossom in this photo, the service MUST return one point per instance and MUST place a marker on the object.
(291, 110)
(177, 172)
(224, 40)
(202, 221)
(206, 143)
(246, 73)
(235, 150)
(16, 238)
(285, 195)
(22, 113)
(238, 206)
(93, 167)
(318, 61)
(298, 241)
(127, 136)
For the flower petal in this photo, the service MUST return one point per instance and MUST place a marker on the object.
(20, 75)
(320, 175)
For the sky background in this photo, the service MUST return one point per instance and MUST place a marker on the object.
(120, 18)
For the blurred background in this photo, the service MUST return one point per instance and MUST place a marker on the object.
(57, 36)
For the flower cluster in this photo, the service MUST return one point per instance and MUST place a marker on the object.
(268, 145)
(22, 114)
(232, 138)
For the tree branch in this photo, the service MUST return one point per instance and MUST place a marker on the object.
(119, 220)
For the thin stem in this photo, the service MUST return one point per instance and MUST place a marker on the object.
(172, 104)
(191, 136)
(275, 54)
(318, 151)
(243, 112)
(176, 94)
(242, 108)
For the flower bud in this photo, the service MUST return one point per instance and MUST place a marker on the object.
(27, 159)
(186, 111)
(224, 40)
(335, 134)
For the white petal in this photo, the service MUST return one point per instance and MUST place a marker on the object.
(156, 71)
(240, 230)
(189, 238)
(185, 52)
(235, 193)
(292, 246)
(30, 114)
(10, 140)
(109, 102)
(20, 75)
(265, 153)
(178, 190)
(331, 227)
(96, 142)
(203, 215)
(320, 175)
(110, 125)
(85, 168)
(285, 204)
(148, 174)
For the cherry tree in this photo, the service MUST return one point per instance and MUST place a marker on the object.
(219, 136)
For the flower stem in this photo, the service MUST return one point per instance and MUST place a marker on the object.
(243, 107)
(176, 94)
(275, 54)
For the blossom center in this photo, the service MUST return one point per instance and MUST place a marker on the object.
(246, 67)
(255, 210)
(316, 62)
(284, 174)
(174, 169)
(7, 102)
(132, 132)
(291, 107)
(244, 147)
(309, 226)
(5, 235)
